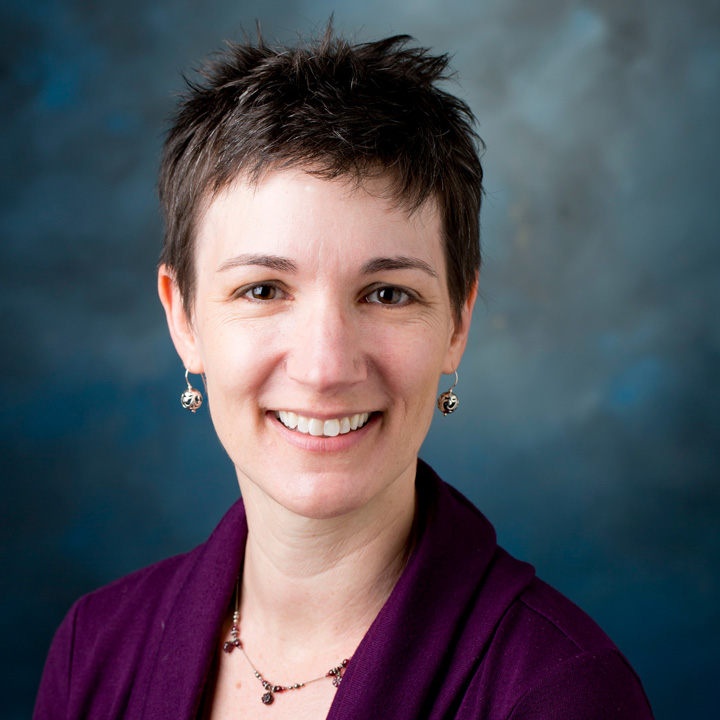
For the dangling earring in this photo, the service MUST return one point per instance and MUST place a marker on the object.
(191, 398)
(448, 401)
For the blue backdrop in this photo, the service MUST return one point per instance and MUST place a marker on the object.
(588, 429)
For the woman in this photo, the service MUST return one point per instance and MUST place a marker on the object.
(320, 269)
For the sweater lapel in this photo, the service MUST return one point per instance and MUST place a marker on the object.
(420, 654)
(193, 621)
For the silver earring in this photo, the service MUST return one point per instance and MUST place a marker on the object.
(191, 398)
(448, 401)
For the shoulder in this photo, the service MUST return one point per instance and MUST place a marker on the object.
(593, 685)
(125, 614)
(524, 649)
(151, 593)
(560, 662)
(138, 594)
(103, 639)
(112, 640)
(542, 616)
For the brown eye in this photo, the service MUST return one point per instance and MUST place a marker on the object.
(388, 295)
(262, 292)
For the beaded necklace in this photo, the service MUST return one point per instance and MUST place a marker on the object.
(268, 697)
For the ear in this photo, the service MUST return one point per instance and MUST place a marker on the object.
(181, 331)
(458, 341)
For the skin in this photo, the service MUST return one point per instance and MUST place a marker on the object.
(321, 298)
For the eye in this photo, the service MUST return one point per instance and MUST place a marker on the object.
(261, 292)
(388, 295)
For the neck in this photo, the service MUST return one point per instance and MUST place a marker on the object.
(319, 583)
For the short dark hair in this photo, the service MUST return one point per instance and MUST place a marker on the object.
(336, 109)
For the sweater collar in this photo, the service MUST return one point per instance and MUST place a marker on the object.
(418, 657)
(194, 619)
(421, 650)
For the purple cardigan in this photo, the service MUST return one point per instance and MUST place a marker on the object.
(468, 632)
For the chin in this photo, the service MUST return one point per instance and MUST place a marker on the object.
(325, 495)
(318, 494)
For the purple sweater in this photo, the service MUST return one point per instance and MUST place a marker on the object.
(468, 632)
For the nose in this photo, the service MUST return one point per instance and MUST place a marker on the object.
(326, 353)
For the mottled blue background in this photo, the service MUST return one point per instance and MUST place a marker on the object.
(588, 429)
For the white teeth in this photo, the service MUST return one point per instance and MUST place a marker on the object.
(319, 428)
(316, 427)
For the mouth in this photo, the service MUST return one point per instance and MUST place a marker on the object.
(322, 428)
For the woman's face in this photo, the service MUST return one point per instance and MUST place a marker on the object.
(318, 302)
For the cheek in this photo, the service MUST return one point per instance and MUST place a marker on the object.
(237, 360)
(239, 364)
(411, 359)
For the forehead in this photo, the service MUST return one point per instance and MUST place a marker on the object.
(293, 212)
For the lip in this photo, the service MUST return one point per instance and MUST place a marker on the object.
(321, 444)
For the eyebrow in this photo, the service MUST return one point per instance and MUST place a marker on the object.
(274, 262)
(282, 264)
(397, 263)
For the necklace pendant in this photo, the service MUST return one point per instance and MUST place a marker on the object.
(268, 698)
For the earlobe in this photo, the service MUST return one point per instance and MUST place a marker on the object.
(181, 331)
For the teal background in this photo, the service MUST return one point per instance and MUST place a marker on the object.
(588, 430)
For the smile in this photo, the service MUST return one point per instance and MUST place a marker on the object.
(321, 428)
